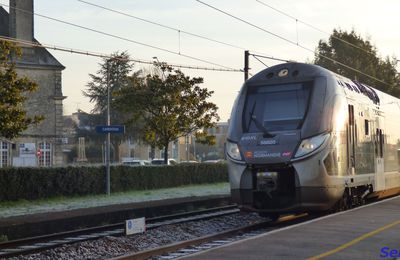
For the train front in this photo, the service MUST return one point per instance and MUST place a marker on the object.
(278, 137)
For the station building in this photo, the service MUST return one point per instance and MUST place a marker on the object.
(40, 145)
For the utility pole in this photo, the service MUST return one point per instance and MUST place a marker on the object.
(246, 65)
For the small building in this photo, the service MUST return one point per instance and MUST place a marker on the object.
(216, 151)
(183, 149)
(40, 145)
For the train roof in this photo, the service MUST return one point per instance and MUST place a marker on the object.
(294, 71)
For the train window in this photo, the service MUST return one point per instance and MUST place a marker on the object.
(366, 127)
(356, 88)
(276, 107)
(349, 86)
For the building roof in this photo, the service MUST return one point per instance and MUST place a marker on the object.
(31, 57)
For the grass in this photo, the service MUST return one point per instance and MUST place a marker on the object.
(24, 207)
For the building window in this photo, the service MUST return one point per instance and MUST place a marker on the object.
(4, 154)
(45, 154)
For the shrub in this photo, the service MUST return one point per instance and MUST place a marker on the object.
(37, 183)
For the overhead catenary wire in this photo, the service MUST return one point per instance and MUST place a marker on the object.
(179, 31)
(161, 25)
(269, 57)
(107, 56)
(255, 56)
(292, 42)
(220, 42)
(313, 27)
(119, 37)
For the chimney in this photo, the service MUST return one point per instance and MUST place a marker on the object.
(21, 19)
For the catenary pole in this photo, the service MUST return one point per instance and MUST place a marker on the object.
(246, 65)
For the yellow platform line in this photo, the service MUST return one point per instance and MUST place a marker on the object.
(354, 241)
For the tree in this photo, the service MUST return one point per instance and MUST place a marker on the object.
(115, 72)
(361, 56)
(13, 93)
(171, 105)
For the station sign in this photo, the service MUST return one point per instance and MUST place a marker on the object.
(105, 129)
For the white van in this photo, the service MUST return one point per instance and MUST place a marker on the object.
(129, 161)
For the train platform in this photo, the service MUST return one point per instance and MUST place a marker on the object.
(38, 218)
(9, 209)
(368, 232)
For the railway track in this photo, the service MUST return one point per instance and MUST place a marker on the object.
(184, 248)
(41, 243)
(169, 250)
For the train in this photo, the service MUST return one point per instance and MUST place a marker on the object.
(304, 139)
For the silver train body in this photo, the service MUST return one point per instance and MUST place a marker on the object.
(304, 139)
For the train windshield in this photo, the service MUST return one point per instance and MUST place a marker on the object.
(276, 107)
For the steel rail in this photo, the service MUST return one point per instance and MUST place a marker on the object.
(40, 243)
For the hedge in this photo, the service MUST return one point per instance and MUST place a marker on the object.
(38, 183)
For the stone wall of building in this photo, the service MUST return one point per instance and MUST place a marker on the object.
(41, 102)
(46, 101)
(39, 66)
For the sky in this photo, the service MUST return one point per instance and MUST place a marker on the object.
(373, 20)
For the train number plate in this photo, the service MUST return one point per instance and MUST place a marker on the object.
(269, 142)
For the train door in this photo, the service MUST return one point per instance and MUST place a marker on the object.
(351, 140)
(379, 144)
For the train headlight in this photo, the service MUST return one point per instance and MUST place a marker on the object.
(311, 144)
(232, 150)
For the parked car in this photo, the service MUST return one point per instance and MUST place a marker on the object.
(161, 162)
(136, 163)
(215, 161)
(188, 162)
